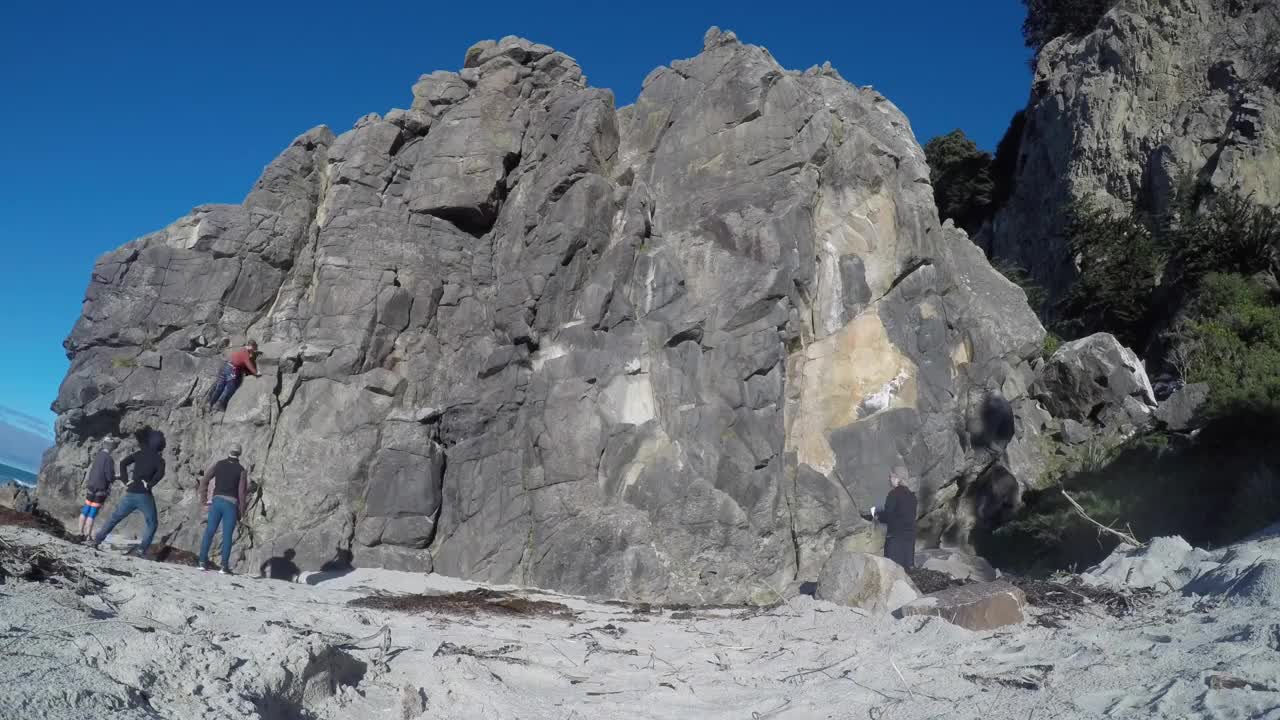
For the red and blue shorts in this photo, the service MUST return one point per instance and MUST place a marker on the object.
(93, 502)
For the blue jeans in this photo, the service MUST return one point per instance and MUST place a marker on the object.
(221, 512)
(130, 502)
(226, 385)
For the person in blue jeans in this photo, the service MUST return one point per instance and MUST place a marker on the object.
(225, 489)
(147, 468)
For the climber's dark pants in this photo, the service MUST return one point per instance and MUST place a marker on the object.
(225, 386)
(901, 548)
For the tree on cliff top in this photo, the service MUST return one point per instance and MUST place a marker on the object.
(1048, 19)
(961, 177)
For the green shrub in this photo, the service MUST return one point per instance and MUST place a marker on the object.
(1120, 264)
(1048, 19)
(1233, 235)
(960, 174)
(1231, 339)
(1051, 344)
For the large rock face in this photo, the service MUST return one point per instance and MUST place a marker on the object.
(1160, 92)
(663, 352)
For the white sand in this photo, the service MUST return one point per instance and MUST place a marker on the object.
(172, 642)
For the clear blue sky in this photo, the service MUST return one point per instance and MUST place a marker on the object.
(116, 118)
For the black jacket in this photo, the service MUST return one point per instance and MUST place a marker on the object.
(899, 513)
(102, 473)
(148, 467)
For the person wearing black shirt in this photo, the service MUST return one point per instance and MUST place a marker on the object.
(899, 518)
(225, 491)
(147, 471)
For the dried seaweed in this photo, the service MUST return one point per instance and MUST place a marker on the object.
(1062, 598)
(38, 564)
(931, 581)
(173, 555)
(471, 602)
(448, 648)
(38, 520)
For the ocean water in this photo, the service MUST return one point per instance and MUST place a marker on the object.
(10, 474)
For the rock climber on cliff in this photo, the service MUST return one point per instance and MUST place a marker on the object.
(225, 491)
(240, 361)
(899, 518)
(97, 486)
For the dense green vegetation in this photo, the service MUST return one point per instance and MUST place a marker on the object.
(1230, 339)
(1142, 279)
(969, 185)
(1201, 287)
(1213, 489)
(1120, 262)
(961, 178)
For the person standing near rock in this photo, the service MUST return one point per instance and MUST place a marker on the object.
(225, 489)
(240, 361)
(97, 483)
(148, 470)
(899, 518)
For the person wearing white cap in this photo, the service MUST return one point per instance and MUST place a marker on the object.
(225, 490)
(97, 482)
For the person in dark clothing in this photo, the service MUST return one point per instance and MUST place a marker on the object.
(225, 489)
(239, 362)
(899, 518)
(97, 482)
(281, 568)
(148, 470)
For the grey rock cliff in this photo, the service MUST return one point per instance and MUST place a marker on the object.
(1161, 91)
(667, 351)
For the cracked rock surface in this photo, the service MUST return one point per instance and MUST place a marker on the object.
(515, 334)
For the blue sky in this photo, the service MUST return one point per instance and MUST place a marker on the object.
(117, 118)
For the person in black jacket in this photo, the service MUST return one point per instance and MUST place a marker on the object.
(899, 518)
(147, 470)
(97, 486)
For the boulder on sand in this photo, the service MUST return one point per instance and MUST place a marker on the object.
(956, 565)
(979, 606)
(865, 581)
(1165, 563)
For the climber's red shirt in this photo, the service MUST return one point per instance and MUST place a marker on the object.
(242, 361)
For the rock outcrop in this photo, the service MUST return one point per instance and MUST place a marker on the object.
(957, 565)
(667, 351)
(1097, 382)
(976, 606)
(865, 581)
(1183, 409)
(1159, 94)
